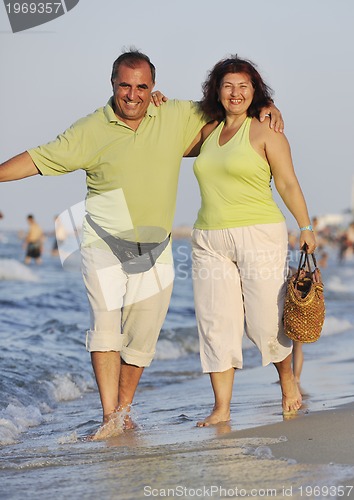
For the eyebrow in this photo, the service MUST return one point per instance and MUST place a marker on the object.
(140, 85)
(238, 83)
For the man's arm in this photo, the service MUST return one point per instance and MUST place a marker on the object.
(194, 148)
(18, 167)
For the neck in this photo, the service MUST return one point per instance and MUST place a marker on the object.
(235, 121)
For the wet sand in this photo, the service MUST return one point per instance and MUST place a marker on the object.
(322, 437)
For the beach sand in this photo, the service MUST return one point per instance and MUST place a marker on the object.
(322, 437)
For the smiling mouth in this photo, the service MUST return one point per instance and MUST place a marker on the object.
(131, 103)
(235, 101)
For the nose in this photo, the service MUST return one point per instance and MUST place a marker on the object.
(131, 94)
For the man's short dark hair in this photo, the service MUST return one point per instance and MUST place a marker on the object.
(132, 59)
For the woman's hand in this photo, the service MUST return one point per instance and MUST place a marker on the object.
(276, 119)
(307, 238)
(158, 98)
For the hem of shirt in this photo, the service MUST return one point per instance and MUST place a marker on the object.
(232, 225)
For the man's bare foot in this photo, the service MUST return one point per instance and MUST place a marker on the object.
(113, 425)
(128, 423)
(291, 395)
(215, 417)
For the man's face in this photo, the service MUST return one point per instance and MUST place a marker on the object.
(132, 88)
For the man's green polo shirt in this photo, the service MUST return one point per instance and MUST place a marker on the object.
(131, 176)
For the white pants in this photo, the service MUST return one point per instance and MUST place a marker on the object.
(127, 310)
(239, 277)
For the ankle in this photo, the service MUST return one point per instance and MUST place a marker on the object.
(126, 407)
(221, 408)
(108, 416)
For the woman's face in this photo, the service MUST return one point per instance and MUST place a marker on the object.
(236, 93)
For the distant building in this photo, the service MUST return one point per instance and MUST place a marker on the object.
(335, 220)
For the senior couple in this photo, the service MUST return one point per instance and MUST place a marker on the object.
(131, 150)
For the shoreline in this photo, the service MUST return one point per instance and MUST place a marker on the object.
(320, 437)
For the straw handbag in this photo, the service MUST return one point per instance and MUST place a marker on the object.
(304, 308)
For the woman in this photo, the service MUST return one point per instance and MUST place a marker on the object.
(240, 237)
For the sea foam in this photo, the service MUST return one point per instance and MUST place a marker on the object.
(17, 419)
(12, 270)
(66, 389)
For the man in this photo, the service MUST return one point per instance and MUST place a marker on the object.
(131, 152)
(33, 241)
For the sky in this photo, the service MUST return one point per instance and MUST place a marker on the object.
(58, 72)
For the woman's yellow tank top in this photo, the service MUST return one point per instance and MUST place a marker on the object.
(234, 182)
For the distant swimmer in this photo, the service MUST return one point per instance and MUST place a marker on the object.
(34, 241)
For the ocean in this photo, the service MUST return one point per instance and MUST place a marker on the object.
(49, 401)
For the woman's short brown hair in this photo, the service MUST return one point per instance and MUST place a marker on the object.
(210, 103)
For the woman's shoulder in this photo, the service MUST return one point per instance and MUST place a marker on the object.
(256, 124)
(262, 134)
(259, 130)
(263, 129)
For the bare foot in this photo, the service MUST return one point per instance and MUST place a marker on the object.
(291, 395)
(128, 423)
(215, 417)
(114, 425)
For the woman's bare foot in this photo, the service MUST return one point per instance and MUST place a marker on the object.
(291, 395)
(216, 417)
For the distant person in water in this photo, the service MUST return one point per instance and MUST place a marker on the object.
(33, 241)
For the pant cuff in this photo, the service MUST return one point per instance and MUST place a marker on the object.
(137, 358)
(103, 341)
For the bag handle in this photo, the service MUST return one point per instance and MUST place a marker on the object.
(304, 260)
